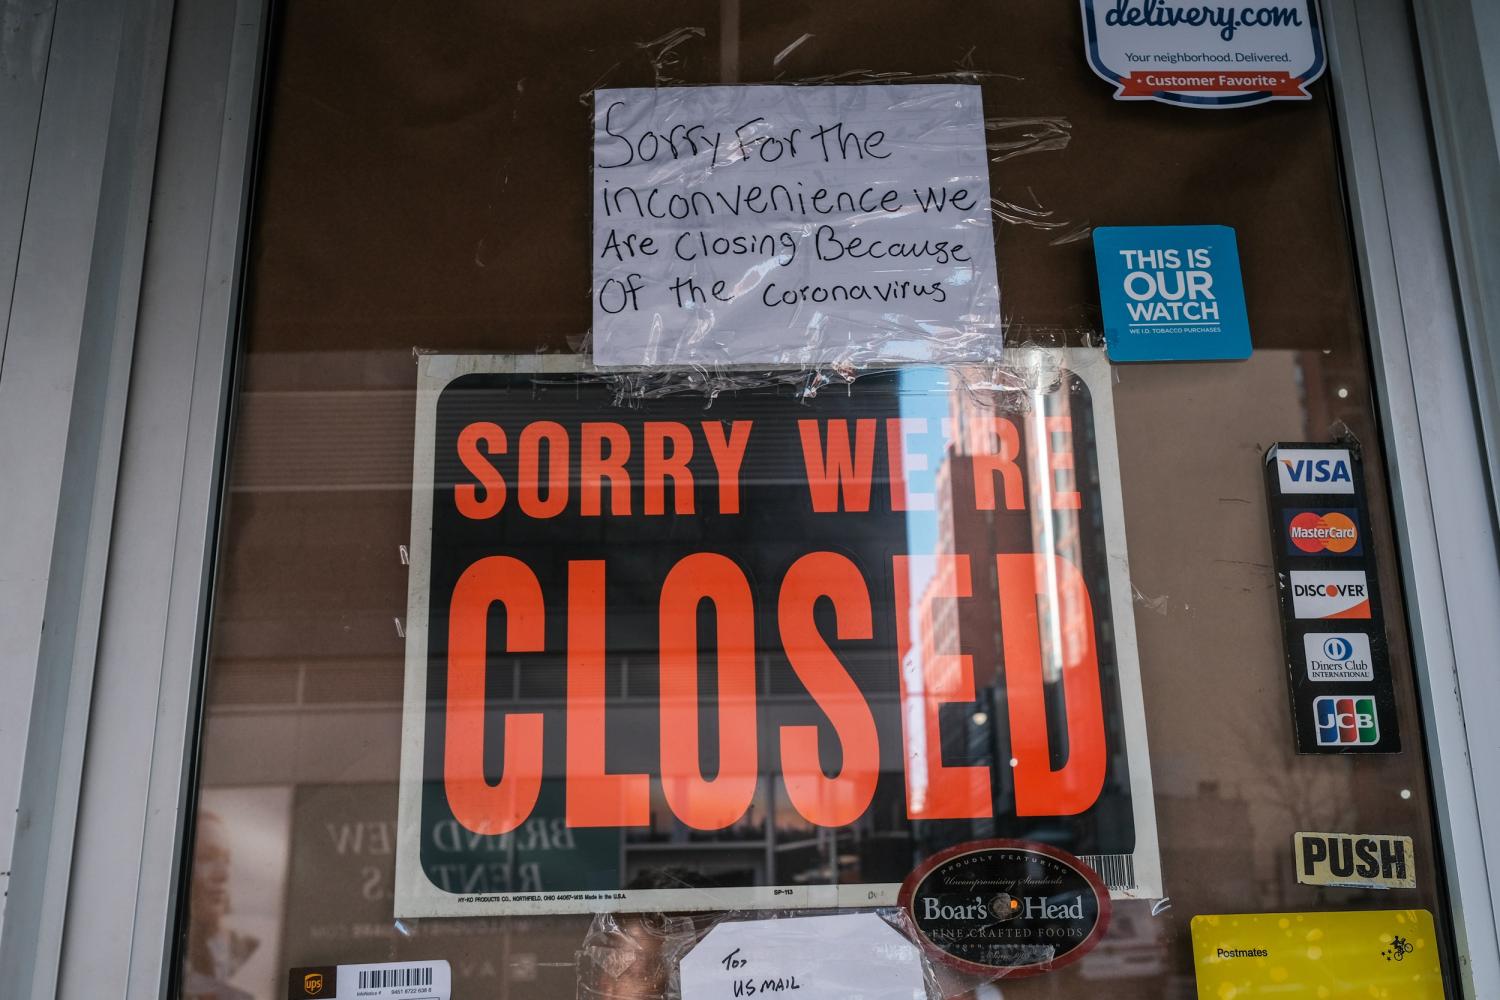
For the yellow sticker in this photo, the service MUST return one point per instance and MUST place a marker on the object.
(1327, 956)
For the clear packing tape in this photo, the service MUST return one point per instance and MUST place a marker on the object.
(628, 956)
(1011, 384)
(762, 271)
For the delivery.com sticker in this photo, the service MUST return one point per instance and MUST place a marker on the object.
(1204, 55)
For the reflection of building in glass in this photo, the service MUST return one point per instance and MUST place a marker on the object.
(1006, 484)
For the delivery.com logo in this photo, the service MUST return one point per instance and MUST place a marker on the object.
(1335, 532)
(1346, 721)
(1324, 595)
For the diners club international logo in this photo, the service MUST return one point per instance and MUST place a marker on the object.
(1204, 55)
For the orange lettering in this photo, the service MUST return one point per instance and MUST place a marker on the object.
(594, 798)
(986, 465)
(660, 465)
(698, 802)
(595, 467)
(466, 495)
(477, 804)
(728, 454)
(933, 679)
(1051, 460)
(820, 799)
(1041, 791)
(842, 474)
(529, 486)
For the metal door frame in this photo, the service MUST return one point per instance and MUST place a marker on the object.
(126, 153)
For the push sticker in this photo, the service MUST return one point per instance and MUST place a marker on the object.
(1365, 861)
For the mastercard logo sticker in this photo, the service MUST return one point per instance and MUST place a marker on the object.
(1320, 532)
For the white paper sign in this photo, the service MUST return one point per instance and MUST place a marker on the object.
(792, 225)
(852, 956)
(1206, 55)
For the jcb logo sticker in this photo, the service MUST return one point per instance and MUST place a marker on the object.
(1346, 721)
(1372, 861)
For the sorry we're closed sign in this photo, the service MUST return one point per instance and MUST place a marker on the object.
(752, 638)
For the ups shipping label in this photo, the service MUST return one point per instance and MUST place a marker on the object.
(1338, 660)
(782, 649)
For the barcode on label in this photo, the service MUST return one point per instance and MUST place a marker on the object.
(375, 979)
(1116, 870)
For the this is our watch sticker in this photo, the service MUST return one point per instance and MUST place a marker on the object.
(1006, 908)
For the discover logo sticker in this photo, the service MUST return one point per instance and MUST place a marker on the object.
(1330, 594)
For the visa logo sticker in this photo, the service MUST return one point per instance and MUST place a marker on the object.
(1322, 595)
(1337, 656)
(1314, 470)
(1346, 721)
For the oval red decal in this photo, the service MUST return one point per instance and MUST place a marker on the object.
(1006, 907)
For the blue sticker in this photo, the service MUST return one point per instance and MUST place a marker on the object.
(1171, 293)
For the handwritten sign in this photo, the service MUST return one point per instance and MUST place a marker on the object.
(792, 225)
(811, 958)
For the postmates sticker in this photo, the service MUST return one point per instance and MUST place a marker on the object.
(1339, 955)
(1006, 907)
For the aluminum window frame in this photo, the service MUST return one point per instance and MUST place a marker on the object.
(107, 641)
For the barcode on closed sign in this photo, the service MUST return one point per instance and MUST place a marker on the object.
(380, 979)
(1117, 871)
